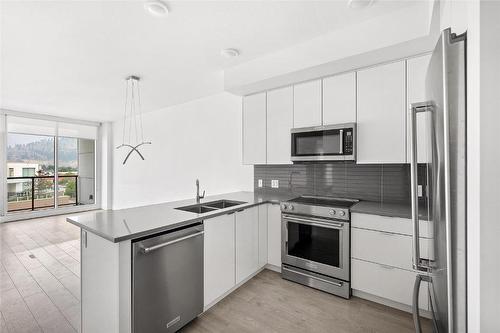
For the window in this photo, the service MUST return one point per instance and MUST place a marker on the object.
(50, 182)
(28, 172)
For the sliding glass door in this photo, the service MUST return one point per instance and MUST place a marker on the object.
(50, 165)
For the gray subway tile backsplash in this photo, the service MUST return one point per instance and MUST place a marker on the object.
(373, 182)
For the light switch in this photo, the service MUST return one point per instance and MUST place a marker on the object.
(275, 183)
(260, 183)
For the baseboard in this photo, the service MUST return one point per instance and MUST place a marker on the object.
(273, 268)
(389, 303)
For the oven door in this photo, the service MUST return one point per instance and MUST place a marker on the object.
(316, 244)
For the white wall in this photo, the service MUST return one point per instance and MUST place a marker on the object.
(490, 161)
(200, 139)
(480, 19)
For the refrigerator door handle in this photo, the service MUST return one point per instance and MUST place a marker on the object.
(418, 264)
(416, 290)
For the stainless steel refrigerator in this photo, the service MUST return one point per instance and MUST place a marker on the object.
(443, 177)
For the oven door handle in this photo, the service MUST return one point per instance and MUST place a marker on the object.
(316, 223)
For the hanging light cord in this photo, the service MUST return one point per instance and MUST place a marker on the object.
(134, 109)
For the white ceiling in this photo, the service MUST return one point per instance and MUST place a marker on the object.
(70, 58)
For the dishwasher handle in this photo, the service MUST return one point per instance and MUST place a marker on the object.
(146, 250)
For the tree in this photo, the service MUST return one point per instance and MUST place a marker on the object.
(70, 189)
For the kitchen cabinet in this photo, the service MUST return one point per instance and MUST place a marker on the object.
(247, 243)
(387, 282)
(262, 235)
(381, 116)
(274, 235)
(219, 257)
(339, 99)
(376, 267)
(307, 104)
(416, 69)
(254, 129)
(279, 123)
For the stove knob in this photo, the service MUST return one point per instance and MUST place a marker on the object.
(332, 212)
(342, 213)
(290, 207)
(283, 206)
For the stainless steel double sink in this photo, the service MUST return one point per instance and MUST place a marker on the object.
(210, 206)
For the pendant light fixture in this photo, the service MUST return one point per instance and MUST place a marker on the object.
(132, 119)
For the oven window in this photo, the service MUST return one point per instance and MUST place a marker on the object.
(317, 244)
(317, 143)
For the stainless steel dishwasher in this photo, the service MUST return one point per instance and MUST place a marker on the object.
(167, 280)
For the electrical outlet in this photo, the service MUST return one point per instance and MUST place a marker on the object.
(260, 183)
(419, 190)
(275, 183)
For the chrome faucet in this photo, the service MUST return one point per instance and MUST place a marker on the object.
(198, 196)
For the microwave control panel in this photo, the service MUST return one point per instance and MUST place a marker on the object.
(348, 141)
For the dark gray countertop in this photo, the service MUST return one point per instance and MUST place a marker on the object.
(385, 209)
(124, 224)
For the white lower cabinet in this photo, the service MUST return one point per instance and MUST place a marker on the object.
(381, 258)
(274, 235)
(219, 257)
(387, 282)
(247, 243)
(385, 248)
(262, 235)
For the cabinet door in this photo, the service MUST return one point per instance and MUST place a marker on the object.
(307, 104)
(274, 235)
(381, 116)
(254, 129)
(279, 123)
(247, 243)
(262, 235)
(416, 69)
(339, 99)
(218, 257)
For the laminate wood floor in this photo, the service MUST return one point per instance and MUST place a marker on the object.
(40, 292)
(267, 303)
(39, 276)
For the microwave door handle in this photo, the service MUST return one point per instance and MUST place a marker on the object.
(341, 148)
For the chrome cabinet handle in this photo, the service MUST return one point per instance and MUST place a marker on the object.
(338, 284)
(416, 108)
(147, 250)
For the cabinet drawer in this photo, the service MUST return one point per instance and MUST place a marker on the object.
(387, 282)
(385, 248)
(390, 224)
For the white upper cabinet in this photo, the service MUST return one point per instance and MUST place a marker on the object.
(219, 260)
(416, 69)
(381, 116)
(279, 123)
(307, 104)
(254, 129)
(247, 243)
(339, 99)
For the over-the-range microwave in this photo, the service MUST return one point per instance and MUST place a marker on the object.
(324, 143)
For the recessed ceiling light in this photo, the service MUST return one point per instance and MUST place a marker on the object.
(156, 8)
(356, 4)
(229, 53)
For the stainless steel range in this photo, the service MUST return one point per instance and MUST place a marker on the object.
(315, 248)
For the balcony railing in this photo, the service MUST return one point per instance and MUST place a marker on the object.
(38, 192)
